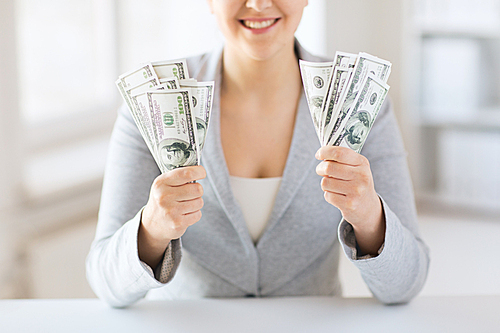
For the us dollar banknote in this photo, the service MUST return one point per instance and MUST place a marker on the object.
(365, 65)
(171, 68)
(145, 86)
(172, 117)
(137, 76)
(342, 62)
(344, 59)
(366, 107)
(202, 100)
(146, 117)
(138, 116)
(170, 83)
(339, 78)
(174, 127)
(356, 89)
(315, 78)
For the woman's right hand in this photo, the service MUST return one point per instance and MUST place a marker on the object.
(175, 203)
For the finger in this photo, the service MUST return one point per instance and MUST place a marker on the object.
(336, 199)
(188, 192)
(337, 170)
(336, 186)
(191, 206)
(184, 175)
(349, 189)
(340, 154)
(192, 218)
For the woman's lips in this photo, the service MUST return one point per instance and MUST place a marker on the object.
(259, 24)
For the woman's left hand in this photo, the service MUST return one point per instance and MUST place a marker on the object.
(348, 185)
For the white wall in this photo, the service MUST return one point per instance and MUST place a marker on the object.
(382, 29)
(369, 26)
(9, 120)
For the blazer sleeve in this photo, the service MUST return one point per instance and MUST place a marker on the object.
(114, 270)
(398, 273)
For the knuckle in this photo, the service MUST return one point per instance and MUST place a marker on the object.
(365, 162)
(176, 231)
(349, 205)
(177, 224)
(169, 212)
(156, 196)
(357, 191)
(329, 198)
(161, 200)
(330, 168)
(320, 168)
(199, 189)
(195, 217)
(185, 173)
(174, 210)
(338, 153)
(158, 183)
(203, 172)
(325, 183)
(169, 177)
(352, 204)
(365, 178)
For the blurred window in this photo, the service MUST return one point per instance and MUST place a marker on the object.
(66, 61)
(66, 57)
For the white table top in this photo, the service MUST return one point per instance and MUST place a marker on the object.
(307, 314)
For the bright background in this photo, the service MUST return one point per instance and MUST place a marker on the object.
(59, 60)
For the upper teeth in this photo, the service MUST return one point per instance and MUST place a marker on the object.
(257, 24)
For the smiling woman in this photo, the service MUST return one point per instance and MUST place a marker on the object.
(260, 28)
(261, 129)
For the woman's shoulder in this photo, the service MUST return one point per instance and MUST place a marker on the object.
(203, 66)
(194, 62)
(304, 54)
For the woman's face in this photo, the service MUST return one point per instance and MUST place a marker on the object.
(259, 28)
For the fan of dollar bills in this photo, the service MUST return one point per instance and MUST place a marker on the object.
(345, 96)
(171, 111)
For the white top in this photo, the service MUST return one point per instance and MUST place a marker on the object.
(256, 198)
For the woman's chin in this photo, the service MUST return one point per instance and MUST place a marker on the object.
(263, 50)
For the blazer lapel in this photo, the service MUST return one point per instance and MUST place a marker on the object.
(300, 159)
(242, 257)
(232, 256)
(214, 160)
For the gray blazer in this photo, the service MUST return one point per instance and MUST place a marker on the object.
(297, 254)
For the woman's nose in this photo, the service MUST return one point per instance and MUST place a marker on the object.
(259, 5)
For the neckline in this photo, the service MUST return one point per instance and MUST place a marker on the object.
(245, 179)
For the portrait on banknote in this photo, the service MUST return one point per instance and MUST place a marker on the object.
(176, 153)
(358, 127)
